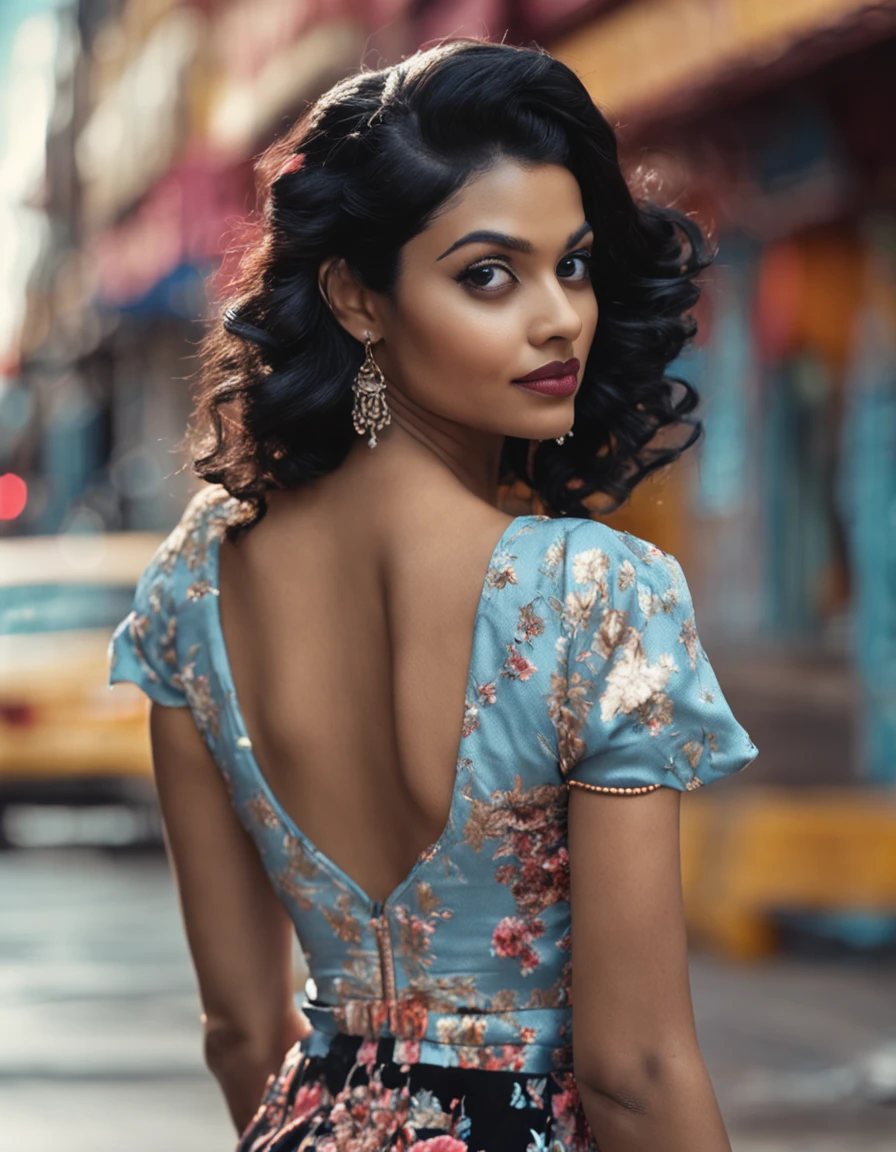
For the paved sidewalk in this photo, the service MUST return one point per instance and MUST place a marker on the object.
(101, 1045)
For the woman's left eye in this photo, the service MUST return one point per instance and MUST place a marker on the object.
(575, 266)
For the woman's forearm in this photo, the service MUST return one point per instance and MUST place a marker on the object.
(675, 1111)
(242, 1064)
(243, 1078)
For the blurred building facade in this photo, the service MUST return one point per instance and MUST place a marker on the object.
(767, 120)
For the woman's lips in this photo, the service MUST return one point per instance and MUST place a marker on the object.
(554, 368)
(550, 385)
(559, 378)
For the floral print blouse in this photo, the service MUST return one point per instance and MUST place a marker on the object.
(586, 672)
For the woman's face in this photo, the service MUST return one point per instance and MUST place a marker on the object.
(497, 287)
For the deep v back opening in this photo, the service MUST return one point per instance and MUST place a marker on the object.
(245, 745)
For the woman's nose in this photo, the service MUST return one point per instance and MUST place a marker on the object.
(555, 316)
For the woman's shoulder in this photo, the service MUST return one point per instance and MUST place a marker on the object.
(584, 533)
(580, 550)
(580, 569)
(642, 706)
(203, 521)
(144, 648)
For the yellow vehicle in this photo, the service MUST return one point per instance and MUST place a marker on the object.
(65, 737)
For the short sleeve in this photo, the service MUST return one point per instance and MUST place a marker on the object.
(143, 648)
(644, 707)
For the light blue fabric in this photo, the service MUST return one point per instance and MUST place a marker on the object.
(586, 671)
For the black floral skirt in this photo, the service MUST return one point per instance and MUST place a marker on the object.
(356, 1099)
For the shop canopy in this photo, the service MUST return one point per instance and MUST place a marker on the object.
(654, 61)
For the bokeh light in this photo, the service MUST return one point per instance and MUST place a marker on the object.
(13, 496)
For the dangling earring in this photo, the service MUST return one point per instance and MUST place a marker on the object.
(370, 412)
(560, 439)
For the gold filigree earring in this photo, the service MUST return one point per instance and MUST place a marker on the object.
(370, 412)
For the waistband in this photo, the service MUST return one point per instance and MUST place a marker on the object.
(522, 1040)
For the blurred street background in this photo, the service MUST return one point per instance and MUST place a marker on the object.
(128, 133)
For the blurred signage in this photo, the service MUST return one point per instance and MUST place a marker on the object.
(646, 50)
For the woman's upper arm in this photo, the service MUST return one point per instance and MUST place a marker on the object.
(644, 720)
(631, 994)
(239, 934)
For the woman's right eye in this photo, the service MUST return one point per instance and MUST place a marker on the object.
(483, 277)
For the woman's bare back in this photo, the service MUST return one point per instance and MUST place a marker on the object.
(349, 644)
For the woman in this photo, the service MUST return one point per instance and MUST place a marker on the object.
(424, 734)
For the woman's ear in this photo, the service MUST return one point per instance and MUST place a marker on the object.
(350, 302)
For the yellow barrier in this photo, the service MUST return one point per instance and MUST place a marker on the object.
(758, 850)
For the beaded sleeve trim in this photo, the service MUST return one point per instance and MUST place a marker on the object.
(619, 791)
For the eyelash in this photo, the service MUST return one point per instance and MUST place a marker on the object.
(496, 262)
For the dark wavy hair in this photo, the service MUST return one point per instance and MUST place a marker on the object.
(357, 177)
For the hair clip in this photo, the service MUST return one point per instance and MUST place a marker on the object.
(293, 164)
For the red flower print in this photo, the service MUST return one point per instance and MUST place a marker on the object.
(406, 1052)
(308, 1098)
(529, 961)
(513, 938)
(516, 666)
(488, 693)
(509, 1058)
(530, 624)
(566, 1102)
(558, 861)
(412, 1017)
(366, 1053)
(530, 827)
(571, 1127)
(508, 937)
(441, 1144)
(415, 930)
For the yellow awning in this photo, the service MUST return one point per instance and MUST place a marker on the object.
(649, 50)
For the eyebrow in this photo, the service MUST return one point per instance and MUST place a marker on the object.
(515, 243)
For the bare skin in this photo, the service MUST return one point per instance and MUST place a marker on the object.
(348, 615)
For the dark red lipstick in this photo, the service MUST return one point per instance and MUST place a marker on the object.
(555, 379)
(555, 368)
